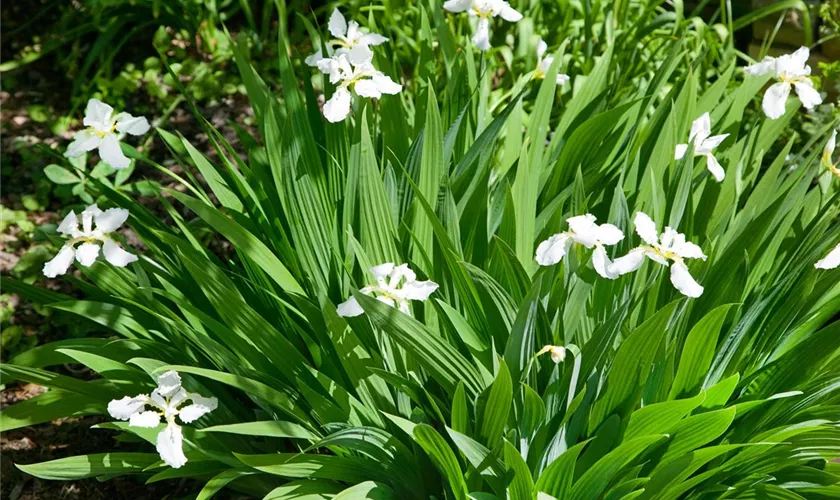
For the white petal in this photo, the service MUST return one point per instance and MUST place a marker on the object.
(701, 128)
(544, 66)
(418, 290)
(337, 25)
(562, 79)
(541, 48)
(88, 214)
(313, 59)
(646, 228)
(338, 107)
(359, 55)
(584, 228)
(382, 271)
(179, 396)
(775, 99)
(157, 399)
(60, 263)
(69, 225)
(386, 300)
(404, 307)
(609, 234)
(132, 125)
(111, 153)
(688, 250)
(328, 66)
(602, 264)
(710, 144)
(170, 446)
(510, 14)
(123, 409)
(715, 168)
(830, 261)
(367, 88)
(169, 383)
(669, 236)
(116, 255)
(84, 140)
(684, 282)
(386, 85)
(767, 65)
(199, 407)
(656, 258)
(148, 419)
(629, 263)
(680, 151)
(350, 308)
(86, 253)
(828, 150)
(373, 39)
(808, 94)
(110, 220)
(398, 273)
(457, 5)
(552, 250)
(482, 34)
(798, 60)
(97, 114)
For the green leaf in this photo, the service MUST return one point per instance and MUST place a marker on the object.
(698, 352)
(443, 458)
(221, 480)
(269, 428)
(660, 417)
(60, 175)
(522, 485)
(244, 240)
(83, 466)
(632, 364)
(595, 480)
(369, 490)
(445, 363)
(495, 413)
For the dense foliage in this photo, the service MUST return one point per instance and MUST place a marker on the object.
(511, 379)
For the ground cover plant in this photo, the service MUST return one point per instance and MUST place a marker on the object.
(489, 251)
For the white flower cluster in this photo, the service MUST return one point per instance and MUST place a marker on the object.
(167, 402)
(669, 249)
(350, 67)
(90, 229)
(483, 11)
(104, 132)
(395, 286)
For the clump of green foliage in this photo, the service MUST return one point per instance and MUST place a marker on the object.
(730, 395)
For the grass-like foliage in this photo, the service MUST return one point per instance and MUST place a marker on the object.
(641, 392)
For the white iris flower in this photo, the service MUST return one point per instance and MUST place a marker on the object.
(704, 145)
(828, 151)
(544, 63)
(395, 286)
(89, 229)
(557, 353)
(584, 231)
(104, 131)
(166, 402)
(347, 35)
(353, 71)
(483, 10)
(669, 248)
(790, 70)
